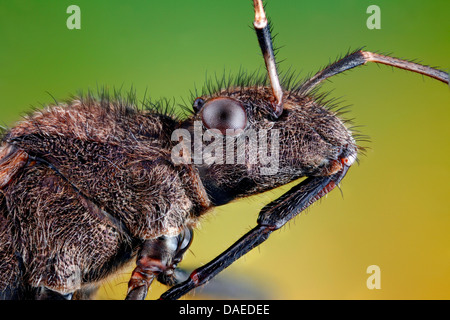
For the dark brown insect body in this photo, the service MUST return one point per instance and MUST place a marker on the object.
(88, 186)
(110, 201)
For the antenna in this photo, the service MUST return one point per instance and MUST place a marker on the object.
(265, 42)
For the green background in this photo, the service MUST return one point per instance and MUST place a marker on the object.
(394, 208)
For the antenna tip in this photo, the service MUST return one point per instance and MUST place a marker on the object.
(260, 16)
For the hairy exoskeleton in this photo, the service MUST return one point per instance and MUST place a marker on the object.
(88, 186)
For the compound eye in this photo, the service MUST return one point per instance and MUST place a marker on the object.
(223, 114)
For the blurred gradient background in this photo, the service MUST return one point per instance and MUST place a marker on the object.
(394, 207)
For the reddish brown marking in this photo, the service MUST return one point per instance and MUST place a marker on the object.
(345, 161)
(137, 275)
(194, 277)
(335, 166)
(11, 161)
(330, 186)
(147, 264)
(140, 278)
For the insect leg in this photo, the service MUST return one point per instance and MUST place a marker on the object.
(272, 217)
(158, 259)
(149, 264)
(361, 57)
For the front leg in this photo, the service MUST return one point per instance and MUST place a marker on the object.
(272, 217)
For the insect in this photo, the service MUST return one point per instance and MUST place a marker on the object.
(106, 170)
